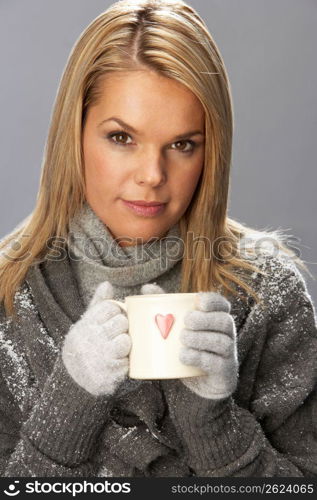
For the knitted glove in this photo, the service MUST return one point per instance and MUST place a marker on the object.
(96, 347)
(209, 343)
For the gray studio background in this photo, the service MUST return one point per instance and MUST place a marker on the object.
(269, 50)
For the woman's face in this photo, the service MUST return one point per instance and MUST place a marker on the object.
(143, 141)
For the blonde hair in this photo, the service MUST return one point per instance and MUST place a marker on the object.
(167, 36)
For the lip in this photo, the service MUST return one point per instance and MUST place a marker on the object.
(144, 203)
(147, 209)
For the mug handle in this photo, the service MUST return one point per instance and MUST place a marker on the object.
(120, 304)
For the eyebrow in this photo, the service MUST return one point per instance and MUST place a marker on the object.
(134, 131)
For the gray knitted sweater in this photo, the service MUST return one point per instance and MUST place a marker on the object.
(50, 426)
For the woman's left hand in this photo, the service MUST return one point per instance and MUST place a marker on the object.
(209, 343)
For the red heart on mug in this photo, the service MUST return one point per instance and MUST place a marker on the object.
(164, 323)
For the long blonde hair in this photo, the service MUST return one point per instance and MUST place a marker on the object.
(167, 36)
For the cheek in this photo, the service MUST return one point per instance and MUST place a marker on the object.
(184, 184)
(102, 174)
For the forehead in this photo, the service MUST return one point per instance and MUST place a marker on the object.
(144, 96)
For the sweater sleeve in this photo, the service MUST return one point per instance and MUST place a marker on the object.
(277, 435)
(59, 434)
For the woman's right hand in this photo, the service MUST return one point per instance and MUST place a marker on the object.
(96, 348)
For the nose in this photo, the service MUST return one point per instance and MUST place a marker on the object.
(150, 172)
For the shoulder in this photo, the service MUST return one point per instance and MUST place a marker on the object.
(269, 252)
(14, 365)
(280, 284)
(23, 303)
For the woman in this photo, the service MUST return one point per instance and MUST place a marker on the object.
(133, 199)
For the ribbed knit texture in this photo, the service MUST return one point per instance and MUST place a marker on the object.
(78, 429)
(49, 426)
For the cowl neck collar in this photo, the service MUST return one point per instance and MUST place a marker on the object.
(92, 247)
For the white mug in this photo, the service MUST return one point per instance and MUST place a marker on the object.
(155, 323)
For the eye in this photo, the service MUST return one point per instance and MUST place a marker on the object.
(123, 136)
(192, 145)
(119, 134)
